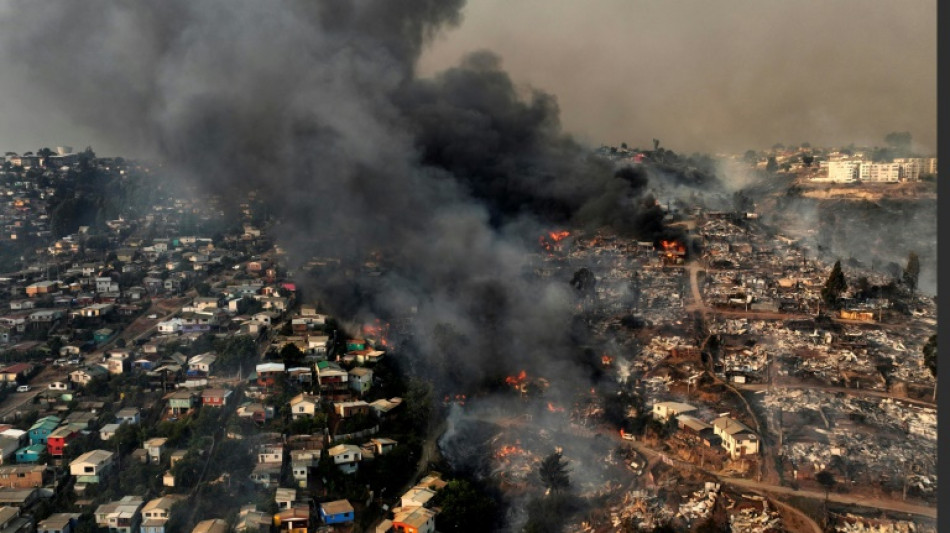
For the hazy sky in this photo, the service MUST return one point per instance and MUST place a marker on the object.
(710, 75)
(700, 75)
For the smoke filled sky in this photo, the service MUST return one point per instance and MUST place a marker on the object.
(703, 76)
(726, 75)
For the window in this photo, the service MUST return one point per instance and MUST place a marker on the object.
(89, 469)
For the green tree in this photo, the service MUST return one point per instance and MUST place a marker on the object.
(203, 288)
(808, 159)
(290, 354)
(554, 473)
(464, 508)
(912, 271)
(834, 287)
(771, 165)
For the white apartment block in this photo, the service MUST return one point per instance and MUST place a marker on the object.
(914, 167)
(879, 172)
(843, 171)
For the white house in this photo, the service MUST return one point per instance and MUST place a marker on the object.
(156, 512)
(91, 466)
(154, 447)
(202, 362)
(170, 326)
(303, 405)
(737, 438)
(346, 457)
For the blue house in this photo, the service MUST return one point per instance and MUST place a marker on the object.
(30, 454)
(336, 512)
(42, 428)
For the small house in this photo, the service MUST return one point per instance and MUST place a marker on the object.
(336, 512)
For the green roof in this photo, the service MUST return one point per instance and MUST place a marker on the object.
(46, 424)
(35, 448)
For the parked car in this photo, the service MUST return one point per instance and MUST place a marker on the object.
(23, 388)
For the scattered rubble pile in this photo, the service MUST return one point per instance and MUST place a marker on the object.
(850, 523)
(753, 515)
(700, 504)
(906, 436)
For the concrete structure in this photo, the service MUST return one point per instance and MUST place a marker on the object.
(737, 438)
(664, 410)
(842, 171)
(879, 172)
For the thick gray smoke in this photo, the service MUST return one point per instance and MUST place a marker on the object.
(316, 105)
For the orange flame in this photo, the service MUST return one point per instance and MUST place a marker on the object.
(554, 408)
(552, 238)
(377, 331)
(672, 246)
(510, 449)
(515, 381)
(606, 360)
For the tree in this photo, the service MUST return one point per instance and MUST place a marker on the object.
(930, 359)
(44, 154)
(290, 353)
(584, 282)
(464, 507)
(203, 288)
(554, 473)
(771, 165)
(834, 287)
(827, 480)
(912, 271)
(899, 140)
(751, 156)
(808, 159)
